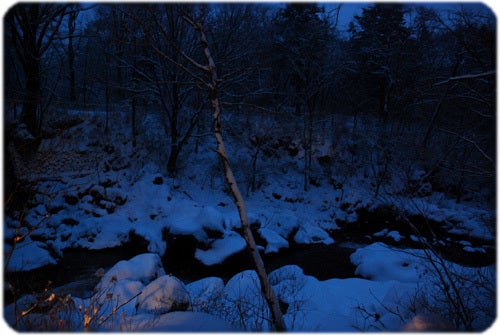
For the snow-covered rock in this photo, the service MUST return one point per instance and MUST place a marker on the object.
(274, 240)
(163, 295)
(220, 249)
(312, 234)
(118, 293)
(143, 268)
(28, 255)
(245, 304)
(381, 262)
(205, 293)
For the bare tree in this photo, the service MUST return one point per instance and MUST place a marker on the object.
(157, 70)
(302, 42)
(211, 84)
(33, 29)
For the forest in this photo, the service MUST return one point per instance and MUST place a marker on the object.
(249, 166)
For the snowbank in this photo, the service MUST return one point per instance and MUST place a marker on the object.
(381, 262)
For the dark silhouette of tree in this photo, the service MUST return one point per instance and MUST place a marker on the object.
(33, 28)
(301, 42)
(72, 17)
(378, 40)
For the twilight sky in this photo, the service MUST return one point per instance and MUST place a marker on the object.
(351, 8)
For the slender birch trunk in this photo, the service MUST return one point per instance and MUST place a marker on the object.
(267, 290)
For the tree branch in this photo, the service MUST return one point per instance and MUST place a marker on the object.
(467, 76)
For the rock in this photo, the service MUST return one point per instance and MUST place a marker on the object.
(116, 195)
(65, 237)
(107, 182)
(98, 212)
(71, 199)
(163, 295)
(205, 292)
(158, 180)
(20, 133)
(66, 122)
(109, 149)
(97, 192)
(56, 209)
(325, 160)
(70, 222)
(109, 206)
(293, 150)
(120, 164)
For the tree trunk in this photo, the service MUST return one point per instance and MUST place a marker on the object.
(71, 56)
(435, 114)
(306, 154)
(174, 146)
(172, 160)
(84, 74)
(107, 93)
(32, 98)
(72, 79)
(266, 288)
(133, 104)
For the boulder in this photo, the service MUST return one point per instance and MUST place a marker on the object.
(143, 268)
(163, 295)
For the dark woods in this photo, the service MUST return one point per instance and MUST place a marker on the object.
(418, 85)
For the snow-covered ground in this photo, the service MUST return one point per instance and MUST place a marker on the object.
(116, 195)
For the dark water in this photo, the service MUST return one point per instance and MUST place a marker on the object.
(318, 260)
(75, 273)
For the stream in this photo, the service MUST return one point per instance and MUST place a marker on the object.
(75, 273)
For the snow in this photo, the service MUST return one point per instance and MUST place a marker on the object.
(162, 295)
(244, 303)
(472, 249)
(28, 255)
(311, 234)
(117, 293)
(386, 301)
(203, 292)
(142, 268)
(390, 278)
(380, 262)
(176, 322)
(194, 209)
(396, 236)
(220, 249)
(187, 218)
(383, 232)
(274, 241)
